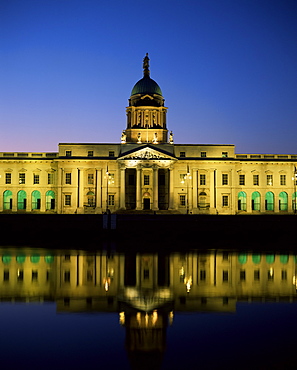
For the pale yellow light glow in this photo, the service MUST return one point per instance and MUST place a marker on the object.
(188, 283)
(122, 318)
(170, 316)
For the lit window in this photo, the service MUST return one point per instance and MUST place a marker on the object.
(146, 180)
(269, 180)
(22, 178)
(182, 154)
(68, 153)
(283, 179)
(35, 179)
(202, 179)
(225, 201)
(224, 154)
(111, 153)
(90, 178)
(111, 178)
(50, 178)
(90, 153)
(241, 179)
(224, 179)
(203, 154)
(182, 200)
(111, 199)
(182, 178)
(8, 178)
(67, 200)
(255, 180)
(68, 178)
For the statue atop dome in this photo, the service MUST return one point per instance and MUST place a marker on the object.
(146, 70)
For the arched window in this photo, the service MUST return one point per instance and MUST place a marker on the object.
(270, 258)
(21, 258)
(6, 259)
(49, 259)
(50, 200)
(7, 199)
(242, 258)
(36, 199)
(256, 201)
(242, 201)
(284, 258)
(35, 258)
(269, 201)
(256, 258)
(91, 199)
(283, 201)
(22, 199)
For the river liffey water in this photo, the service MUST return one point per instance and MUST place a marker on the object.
(72, 309)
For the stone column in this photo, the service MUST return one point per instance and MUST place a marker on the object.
(213, 195)
(155, 188)
(195, 188)
(98, 189)
(138, 188)
(171, 188)
(122, 188)
(81, 189)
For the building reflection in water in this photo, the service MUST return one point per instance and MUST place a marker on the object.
(146, 289)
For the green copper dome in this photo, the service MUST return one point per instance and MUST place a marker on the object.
(146, 86)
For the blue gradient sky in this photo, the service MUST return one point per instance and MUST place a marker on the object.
(227, 69)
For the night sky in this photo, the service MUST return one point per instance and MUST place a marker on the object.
(227, 70)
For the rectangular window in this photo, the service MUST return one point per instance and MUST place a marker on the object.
(182, 178)
(110, 178)
(111, 199)
(224, 179)
(225, 276)
(34, 275)
(146, 274)
(284, 274)
(67, 276)
(22, 178)
(241, 179)
(270, 274)
(68, 153)
(202, 275)
(20, 275)
(8, 178)
(242, 275)
(202, 179)
(67, 200)
(50, 178)
(269, 179)
(6, 275)
(282, 179)
(90, 179)
(256, 275)
(182, 154)
(68, 178)
(256, 180)
(225, 256)
(35, 179)
(182, 200)
(225, 201)
(111, 153)
(90, 153)
(203, 154)
(224, 154)
(146, 180)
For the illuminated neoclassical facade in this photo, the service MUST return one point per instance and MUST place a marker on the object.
(147, 171)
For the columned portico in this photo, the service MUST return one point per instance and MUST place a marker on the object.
(122, 188)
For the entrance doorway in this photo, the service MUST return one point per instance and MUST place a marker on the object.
(146, 203)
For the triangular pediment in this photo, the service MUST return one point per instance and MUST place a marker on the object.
(147, 153)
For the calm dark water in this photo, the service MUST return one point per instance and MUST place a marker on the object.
(71, 310)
